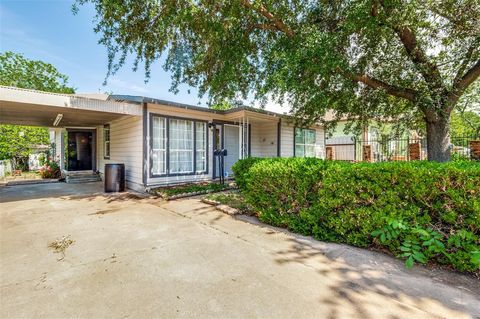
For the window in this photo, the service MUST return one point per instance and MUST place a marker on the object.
(178, 146)
(181, 146)
(304, 142)
(201, 147)
(159, 149)
(106, 141)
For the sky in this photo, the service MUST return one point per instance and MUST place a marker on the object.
(47, 30)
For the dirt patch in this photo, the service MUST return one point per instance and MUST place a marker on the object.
(60, 245)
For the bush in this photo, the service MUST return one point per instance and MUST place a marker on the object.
(420, 211)
(51, 169)
(240, 168)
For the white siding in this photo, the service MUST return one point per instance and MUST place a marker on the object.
(287, 140)
(264, 139)
(125, 147)
(56, 136)
(286, 143)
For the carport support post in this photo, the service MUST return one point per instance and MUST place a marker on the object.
(58, 139)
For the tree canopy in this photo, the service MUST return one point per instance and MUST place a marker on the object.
(16, 142)
(406, 61)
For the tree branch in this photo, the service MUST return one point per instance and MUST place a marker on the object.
(463, 83)
(417, 54)
(389, 89)
(465, 62)
(278, 23)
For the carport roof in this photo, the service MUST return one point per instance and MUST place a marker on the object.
(37, 108)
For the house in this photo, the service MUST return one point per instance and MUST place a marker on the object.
(160, 142)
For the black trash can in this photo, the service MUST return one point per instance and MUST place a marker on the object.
(114, 178)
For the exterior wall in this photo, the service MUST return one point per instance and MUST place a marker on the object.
(286, 139)
(288, 136)
(56, 137)
(126, 146)
(186, 114)
(264, 139)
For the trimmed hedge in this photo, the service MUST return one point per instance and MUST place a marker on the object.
(420, 211)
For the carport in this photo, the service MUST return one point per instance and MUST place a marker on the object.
(73, 120)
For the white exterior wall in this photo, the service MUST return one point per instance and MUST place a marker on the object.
(126, 146)
(264, 139)
(56, 136)
(286, 143)
(287, 140)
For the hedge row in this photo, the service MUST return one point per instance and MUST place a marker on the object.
(420, 211)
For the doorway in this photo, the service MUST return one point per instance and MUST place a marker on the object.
(80, 150)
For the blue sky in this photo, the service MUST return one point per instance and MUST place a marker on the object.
(47, 30)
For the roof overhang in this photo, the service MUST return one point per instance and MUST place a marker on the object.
(37, 108)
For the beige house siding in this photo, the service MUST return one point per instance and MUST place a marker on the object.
(126, 146)
(264, 139)
(286, 143)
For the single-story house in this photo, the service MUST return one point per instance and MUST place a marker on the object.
(160, 142)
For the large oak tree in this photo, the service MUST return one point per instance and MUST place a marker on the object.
(365, 59)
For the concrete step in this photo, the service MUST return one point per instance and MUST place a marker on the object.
(82, 178)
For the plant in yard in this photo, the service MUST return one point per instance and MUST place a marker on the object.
(420, 211)
(50, 169)
(390, 231)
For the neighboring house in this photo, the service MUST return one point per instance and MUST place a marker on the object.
(160, 142)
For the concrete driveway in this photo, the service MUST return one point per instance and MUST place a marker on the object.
(144, 258)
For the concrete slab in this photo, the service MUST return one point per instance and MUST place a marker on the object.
(144, 258)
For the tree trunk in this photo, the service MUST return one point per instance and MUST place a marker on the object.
(438, 140)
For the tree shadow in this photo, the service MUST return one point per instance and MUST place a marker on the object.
(359, 281)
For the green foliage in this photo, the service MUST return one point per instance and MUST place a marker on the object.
(420, 211)
(17, 71)
(364, 59)
(16, 142)
(240, 169)
(465, 124)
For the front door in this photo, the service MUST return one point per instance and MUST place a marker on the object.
(231, 135)
(80, 150)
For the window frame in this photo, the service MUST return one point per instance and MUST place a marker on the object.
(106, 127)
(304, 144)
(167, 120)
(166, 146)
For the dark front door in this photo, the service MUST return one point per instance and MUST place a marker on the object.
(80, 154)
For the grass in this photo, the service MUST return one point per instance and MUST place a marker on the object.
(232, 199)
(190, 188)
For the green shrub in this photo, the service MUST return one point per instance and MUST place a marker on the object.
(240, 168)
(420, 211)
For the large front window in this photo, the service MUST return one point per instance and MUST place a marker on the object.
(178, 146)
(304, 142)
